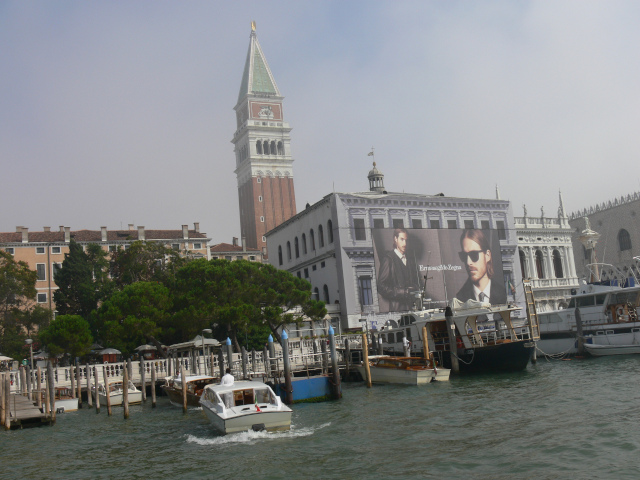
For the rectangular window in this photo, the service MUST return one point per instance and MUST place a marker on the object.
(9, 250)
(239, 257)
(468, 224)
(502, 232)
(299, 275)
(306, 273)
(228, 257)
(252, 258)
(398, 223)
(435, 223)
(40, 250)
(126, 247)
(197, 246)
(452, 224)
(55, 250)
(41, 269)
(366, 292)
(314, 268)
(359, 230)
(378, 223)
(54, 268)
(484, 224)
(321, 264)
(415, 223)
(175, 246)
(113, 248)
(214, 258)
(42, 298)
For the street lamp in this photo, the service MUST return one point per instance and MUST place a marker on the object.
(206, 330)
(29, 342)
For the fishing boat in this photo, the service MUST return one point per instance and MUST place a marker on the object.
(116, 393)
(65, 401)
(195, 386)
(604, 311)
(244, 405)
(403, 370)
(487, 339)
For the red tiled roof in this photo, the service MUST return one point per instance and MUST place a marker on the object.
(228, 248)
(96, 236)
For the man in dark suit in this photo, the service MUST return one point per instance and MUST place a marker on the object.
(397, 275)
(476, 255)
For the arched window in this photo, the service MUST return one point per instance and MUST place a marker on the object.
(296, 247)
(320, 236)
(280, 148)
(312, 239)
(273, 148)
(523, 264)
(304, 244)
(557, 264)
(539, 264)
(330, 231)
(325, 290)
(288, 250)
(316, 294)
(265, 147)
(279, 254)
(624, 240)
(259, 147)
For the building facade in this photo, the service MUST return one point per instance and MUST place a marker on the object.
(545, 250)
(262, 145)
(233, 251)
(614, 228)
(331, 243)
(44, 251)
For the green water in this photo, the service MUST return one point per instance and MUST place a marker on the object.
(561, 419)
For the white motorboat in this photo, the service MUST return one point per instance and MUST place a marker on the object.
(606, 350)
(403, 370)
(65, 401)
(195, 387)
(244, 405)
(116, 393)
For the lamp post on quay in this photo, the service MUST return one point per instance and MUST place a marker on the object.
(29, 342)
(209, 331)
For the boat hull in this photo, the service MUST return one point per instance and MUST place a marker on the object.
(606, 350)
(404, 377)
(66, 405)
(117, 399)
(272, 421)
(503, 357)
(175, 396)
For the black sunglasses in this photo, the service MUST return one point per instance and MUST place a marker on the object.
(474, 255)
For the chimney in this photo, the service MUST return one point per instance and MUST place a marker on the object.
(103, 231)
(67, 234)
(61, 228)
(19, 229)
(185, 231)
(235, 241)
(47, 229)
(196, 226)
(25, 235)
(141, 235)
(131, 227)
(244, 244)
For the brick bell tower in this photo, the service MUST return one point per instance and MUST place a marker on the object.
(264, 165)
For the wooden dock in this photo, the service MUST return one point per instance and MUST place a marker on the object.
(23, 413)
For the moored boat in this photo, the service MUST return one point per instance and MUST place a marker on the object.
(403, 370)
(606, 350)
(244, 405)
(65, 401)
(195, 386)
(116, 393)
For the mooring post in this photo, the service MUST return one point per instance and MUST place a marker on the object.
(212, 361)
(87, 370)
(73, 381)
(265, 360)
(2, 400)
(245, 376)
(183, 379)
(347, 357)
(39, 396)
(221, 362)
(453, 348)
(425, 344)
(23, 381)
(79, 383)
(230, 353)
(254, 361)
(106, 389)
(335, 385)
(272, 354)
(143, 378)
(325, 356)
(153, 386)
(7, 401)
(365, 359)
(29, 383)
(130, 368)
(52, 391)
(288, 387)
(95, 389)
(125, 391)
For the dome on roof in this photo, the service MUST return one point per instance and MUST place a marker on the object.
(376, 179)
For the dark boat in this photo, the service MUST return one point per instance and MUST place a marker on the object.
(195, 386)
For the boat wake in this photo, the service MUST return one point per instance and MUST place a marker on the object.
(251, 437)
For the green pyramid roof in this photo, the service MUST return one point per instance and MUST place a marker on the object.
(257, 77)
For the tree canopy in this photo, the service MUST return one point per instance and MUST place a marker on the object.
(67, 334)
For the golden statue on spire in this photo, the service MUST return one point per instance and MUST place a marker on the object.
(253, 25)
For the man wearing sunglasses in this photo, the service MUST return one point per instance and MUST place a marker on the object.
(397, 276)
(476, 256)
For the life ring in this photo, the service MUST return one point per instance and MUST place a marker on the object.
(620, 311)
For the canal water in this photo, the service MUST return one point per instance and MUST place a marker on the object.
(559, 419)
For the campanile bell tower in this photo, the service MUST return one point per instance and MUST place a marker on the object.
(264, 165)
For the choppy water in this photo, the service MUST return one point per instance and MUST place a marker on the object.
(564, 419)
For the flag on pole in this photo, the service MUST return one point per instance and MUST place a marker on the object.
(370, 154)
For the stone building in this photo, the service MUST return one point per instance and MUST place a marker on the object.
(234, 251)
(44, 251)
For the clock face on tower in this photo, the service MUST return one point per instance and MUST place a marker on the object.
(264, 111)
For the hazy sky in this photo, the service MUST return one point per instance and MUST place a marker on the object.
(119, 112)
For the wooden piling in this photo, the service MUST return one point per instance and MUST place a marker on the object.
(254, 360)
(73, 382)
(153, 386)
(23, 381)
(212, 361)
(453, 348)
(325, 363)
(365, 360)
(244, 364)
(52, 391)
(7, 401)
(221, 362)
(229, 353)
(425, 344)
(29, 382)
(143, 379)
(3, 401)
(265, 360)
(106, 389)
(129, 368)
(96, 383)
(39, 387)
(335, 384)
(347, 356)
(288, 387)
(183, 375)
(87, 370)
(125, 392)
(79, 382)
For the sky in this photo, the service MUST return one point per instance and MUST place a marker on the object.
(118, 112)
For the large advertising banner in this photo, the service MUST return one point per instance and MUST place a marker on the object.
(443, 263)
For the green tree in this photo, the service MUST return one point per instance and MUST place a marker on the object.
(83, 280)
(67, 334)
(144, 262)
(134, 316)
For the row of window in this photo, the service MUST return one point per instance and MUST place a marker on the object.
(41, 270)
(540, 264)
(360, 231)
(251, 258)
(111, 248)
(306, 270)
(298, 245)
(266, 147)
